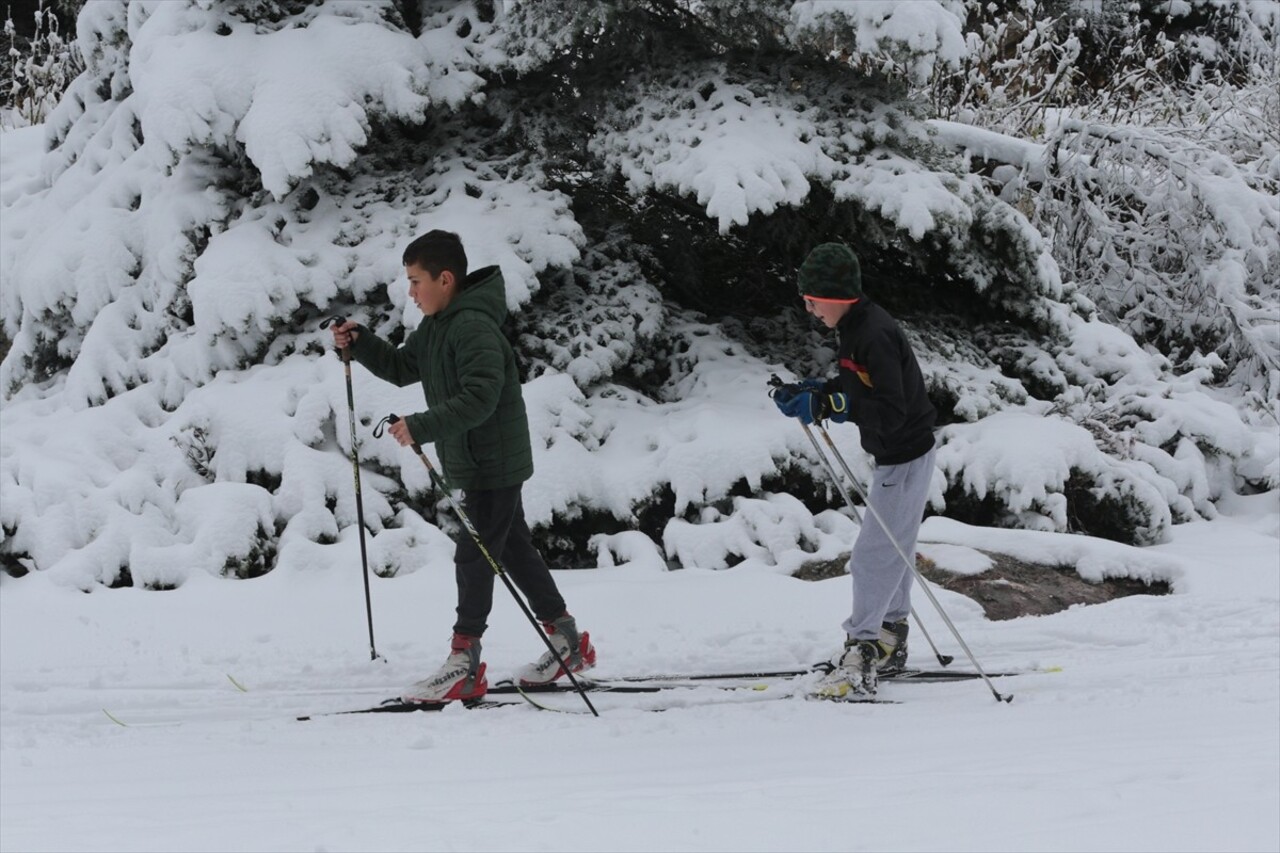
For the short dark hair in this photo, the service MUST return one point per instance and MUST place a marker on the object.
(437, 251)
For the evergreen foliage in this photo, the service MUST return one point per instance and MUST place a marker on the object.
(648, 174)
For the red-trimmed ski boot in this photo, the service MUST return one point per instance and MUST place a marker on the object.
(574, 648)
(461, 677)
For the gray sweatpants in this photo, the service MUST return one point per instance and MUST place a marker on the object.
(881, 578)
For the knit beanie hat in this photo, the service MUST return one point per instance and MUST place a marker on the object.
(831, 272)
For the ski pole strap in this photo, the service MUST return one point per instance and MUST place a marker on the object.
(436, 476)
(381, 427)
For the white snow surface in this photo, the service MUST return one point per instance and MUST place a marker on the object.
(1144, 723)
(924, 32)
(1147, 723)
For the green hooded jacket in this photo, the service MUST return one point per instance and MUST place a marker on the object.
(476, 416)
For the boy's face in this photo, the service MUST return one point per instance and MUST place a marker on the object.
(430, 294)
(830, 313)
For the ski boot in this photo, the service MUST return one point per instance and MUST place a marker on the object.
(893, 647)
(854, 677)
(575, 650)
(461, 676)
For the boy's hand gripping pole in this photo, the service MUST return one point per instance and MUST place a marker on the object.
(493, 563)
(345, 352)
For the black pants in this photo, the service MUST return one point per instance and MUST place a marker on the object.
(498, 516)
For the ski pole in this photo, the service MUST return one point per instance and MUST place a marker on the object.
(345, 352)
(943, 660)
(826, 463)
(494, 564)
(911, 565)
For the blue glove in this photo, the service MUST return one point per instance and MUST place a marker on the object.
(784, 394)
(808, 401)
(798, 404)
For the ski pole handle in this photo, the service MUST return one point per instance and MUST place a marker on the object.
(394, 419)
(344, 350)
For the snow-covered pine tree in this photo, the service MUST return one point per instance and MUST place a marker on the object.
(647, 173)
(1156, 180)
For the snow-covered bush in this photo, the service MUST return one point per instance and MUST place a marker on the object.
(648, 175)
(1161, 167)
(38, 67)
(608, 325)
(1178, 239)
(1155, 175)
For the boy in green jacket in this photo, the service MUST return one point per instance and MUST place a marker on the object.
(476, 418)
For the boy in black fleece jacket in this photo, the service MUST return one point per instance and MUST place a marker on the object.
(880, 389)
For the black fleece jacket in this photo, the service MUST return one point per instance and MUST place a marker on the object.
(880, 375)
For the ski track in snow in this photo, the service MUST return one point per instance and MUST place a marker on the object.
(1157, 733)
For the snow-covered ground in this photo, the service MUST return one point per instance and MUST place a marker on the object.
(1156, 728)
(164, 413)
